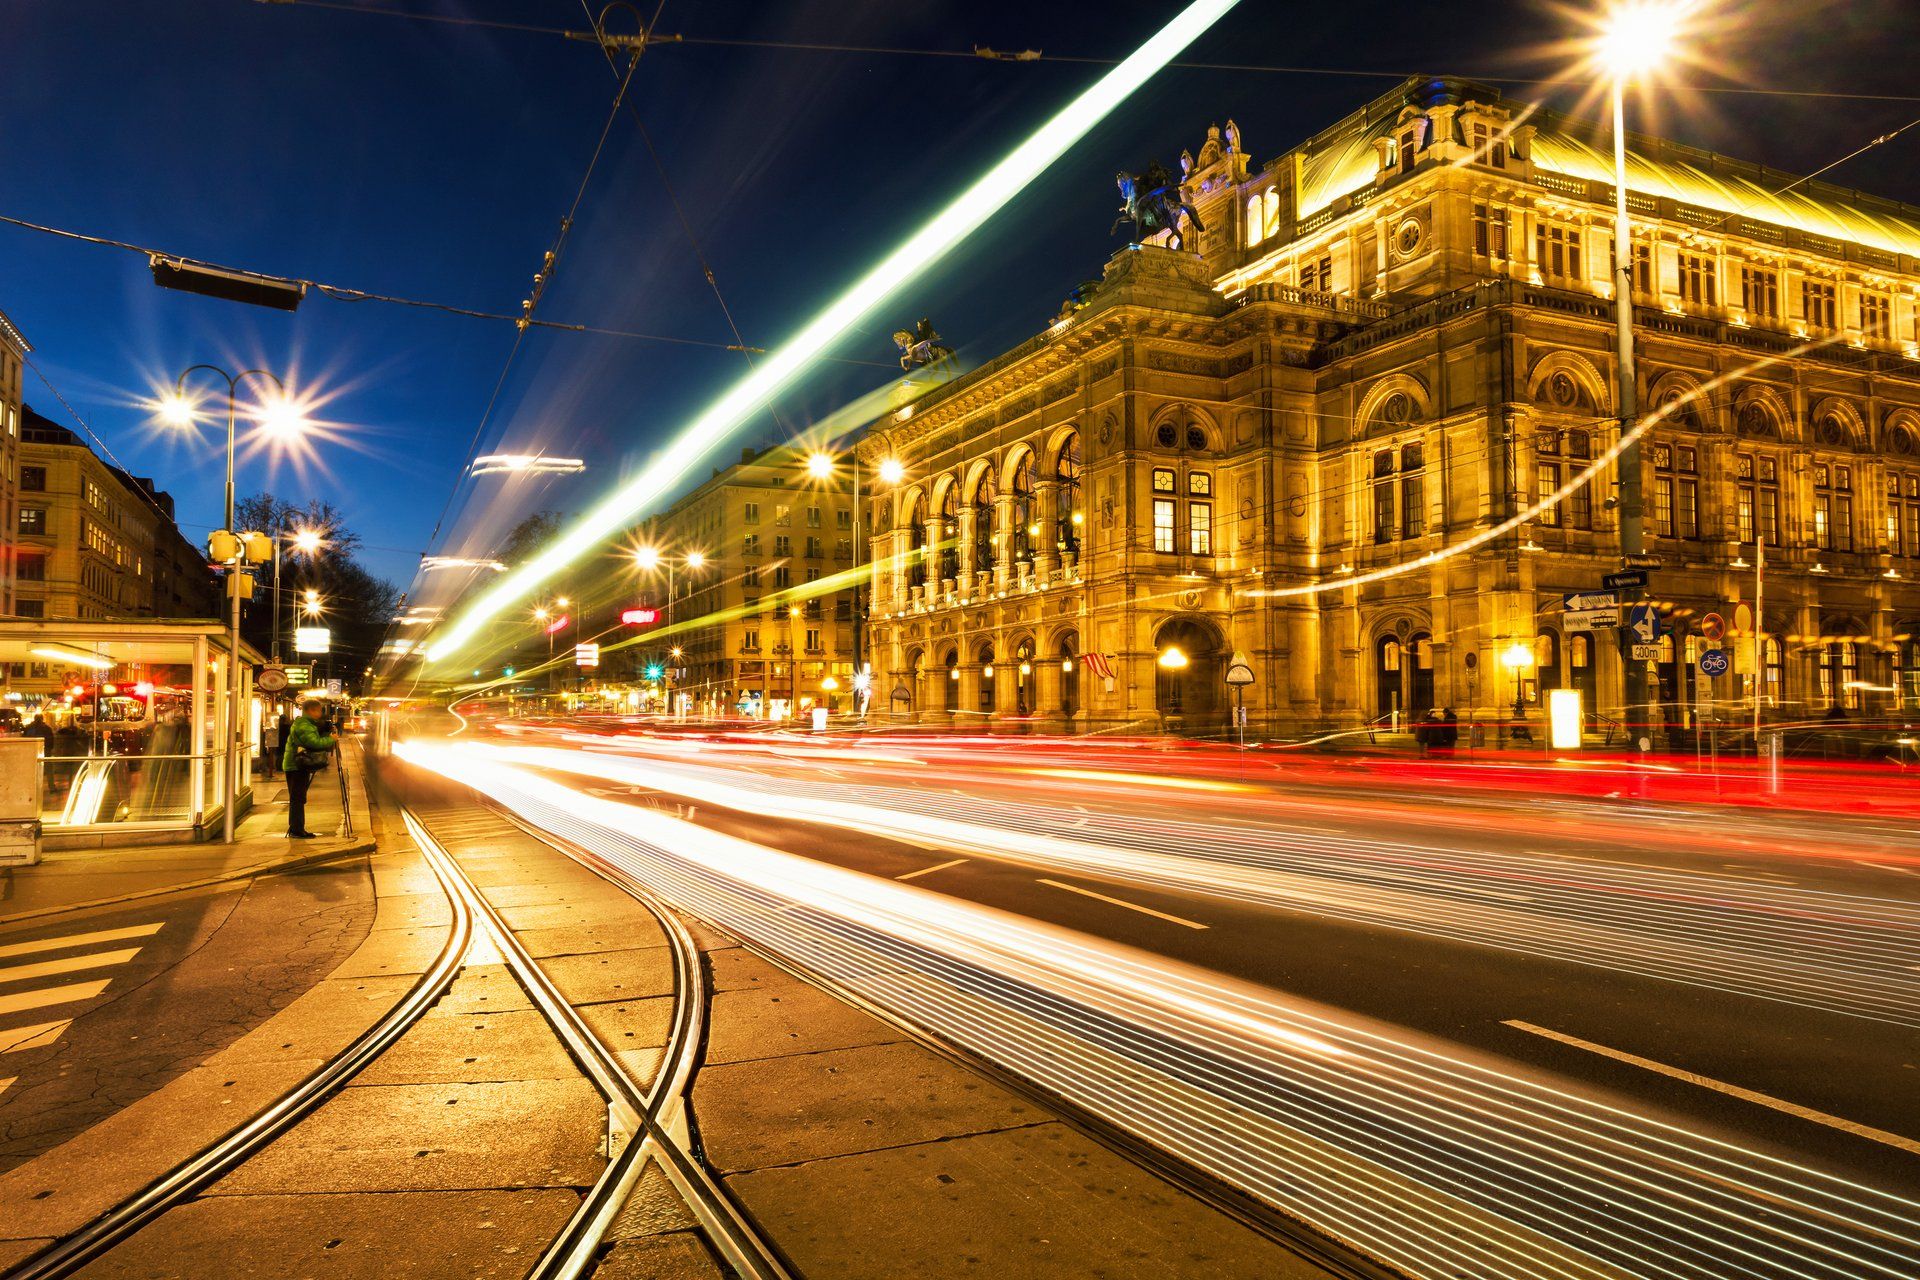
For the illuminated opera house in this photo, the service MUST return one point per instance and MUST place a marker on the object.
(1395, 337)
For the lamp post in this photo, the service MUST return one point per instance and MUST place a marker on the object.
(821, 466)
(307, 542)
(1638, 37)
(651, 559)
(1516, 658)
(279, 416)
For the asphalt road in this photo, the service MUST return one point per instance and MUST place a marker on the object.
(1747, 977)
(100, 1007)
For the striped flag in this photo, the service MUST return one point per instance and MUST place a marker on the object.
(1098, 664)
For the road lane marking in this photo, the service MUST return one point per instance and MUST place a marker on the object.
(52, 995)
(66, 964)
(81, 939)
(1908, 1145)
(1118, 902)
(1882, 866)
(38, 1036)
(924, 871)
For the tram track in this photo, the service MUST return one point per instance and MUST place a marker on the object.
(647, 1121)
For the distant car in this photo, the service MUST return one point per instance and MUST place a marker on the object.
(11, 721)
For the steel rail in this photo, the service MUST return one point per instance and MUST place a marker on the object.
(656, 1115)
(1332, 1255)
(226, 1154)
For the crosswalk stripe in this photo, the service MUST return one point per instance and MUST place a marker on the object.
(52, 995)
(81, 939)
(67, 964)
(38, 1036)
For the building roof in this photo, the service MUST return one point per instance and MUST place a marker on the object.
(1342, 160)
(10, 332)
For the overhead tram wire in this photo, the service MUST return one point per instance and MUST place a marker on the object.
(1028, 56)
(346, 293)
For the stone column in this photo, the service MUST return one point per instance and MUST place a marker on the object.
(1046, 543)
(1003, 545)
(1046, 685)
(967, 712)
(967, 567)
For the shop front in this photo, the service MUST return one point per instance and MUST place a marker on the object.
(132, 719)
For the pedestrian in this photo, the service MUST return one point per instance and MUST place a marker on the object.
(39, 728)
(308, 750)
(1451, 733)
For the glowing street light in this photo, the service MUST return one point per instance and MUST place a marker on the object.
(1173, 658)
(820, 466)
(307, 541)
(525, 464)
(892, 471)
(964, 214)
(1639, 37)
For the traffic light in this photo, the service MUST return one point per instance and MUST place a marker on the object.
(654, 671)
(507, 672)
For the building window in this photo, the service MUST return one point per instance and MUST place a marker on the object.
(1642, 267)
(813, 548)
(1903, 515)
(813, 640)
(1383, 524)
(1163, 510)
(31, 568)
(750, 576)
(750, 514)
(1020, 512)
(1556, 252)
(1697, 274)
(750, 639)
(843, 519)
(1676, 491)
(1163, 480)
(1817, 304)
(30, 608)
(1833, 507)
(1876, 315)
(950, 533)
(1838, 667)
(782, 516)
(1489, 148)
(1317, 276)
(813, 517)
(1406, 148)
(1067, 494)
(1490, 232)
(782, 578)
(983, 554)
(33, 479)
(750, 545)
(1413, 500)
(1200, 528)
(1757, 497)
(782, 544)
(33, 521)
(1550, 472)
(1760, 292)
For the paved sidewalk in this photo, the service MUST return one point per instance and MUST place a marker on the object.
(70, 878)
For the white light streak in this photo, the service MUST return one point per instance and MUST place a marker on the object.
(967, 212)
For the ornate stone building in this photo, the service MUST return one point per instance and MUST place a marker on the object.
(1393, 338)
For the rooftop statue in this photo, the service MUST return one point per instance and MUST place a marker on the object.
(1153, 203)
(920, 347)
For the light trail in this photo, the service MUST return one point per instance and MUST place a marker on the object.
(966, 213)
(1436, 1162)
(1846, 953)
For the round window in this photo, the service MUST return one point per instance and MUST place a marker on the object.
(1407, 237)
(1196, 438)
(1166, 435)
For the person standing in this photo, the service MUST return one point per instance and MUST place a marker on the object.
(308, 749)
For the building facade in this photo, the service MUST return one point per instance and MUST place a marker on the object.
(1341, 440)
(13, 355)
(764, 623)
(94, 542)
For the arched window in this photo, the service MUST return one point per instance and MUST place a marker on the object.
(916, 544)
(1069, 676)
(951, 700)
(1413, 492)
(1067, 472)
(987, 676)
(983, 531)
(1546, 659)
(1839, 670)
(1833, 431)
(1022, 518)
(1383, 523)
(1773, 668)
(950, 533)
(1756, 419)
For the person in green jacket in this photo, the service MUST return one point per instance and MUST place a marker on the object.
(308, 734)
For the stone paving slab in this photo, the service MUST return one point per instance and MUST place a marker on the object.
(1042, 1201)
(62, 1191)
(322, 1022)
(738, 969)
(477, 1235)
(679, 1256)
(576, 939)
(415, 910)
(410, 949)
(613, 975)
(810, 1106)
(631, 1024)
(606, 912)
(436, 1137)
(474, 1048)
(485, 988)
(784, 1018)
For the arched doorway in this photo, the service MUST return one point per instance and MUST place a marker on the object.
(1419, 665)
(1189, 692)
(950, 703)
(1581, 673)
(1389, 657)
(987, 675)
(1024, 701)
(1546, 660)
(1069, 658)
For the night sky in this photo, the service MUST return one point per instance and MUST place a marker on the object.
(435, 162)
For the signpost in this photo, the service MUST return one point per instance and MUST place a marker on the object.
(1628, 578)
(1591, 619)
(1643, 620)
(1590, 600)
(1713, 629)
(1239, 676)
(1714, 662)
(1646, 653)
(270, 679)
(299, 675)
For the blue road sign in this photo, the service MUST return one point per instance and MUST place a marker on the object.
(1714, 662)
(1644, 621)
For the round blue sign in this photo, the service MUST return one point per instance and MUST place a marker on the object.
(1714, 662)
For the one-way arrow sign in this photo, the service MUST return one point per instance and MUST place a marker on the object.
(1591, 600)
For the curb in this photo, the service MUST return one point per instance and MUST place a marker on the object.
(243, 873)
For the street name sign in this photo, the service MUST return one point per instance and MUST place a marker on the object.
(1628, 578)
(1641, 562)
(1590, 600)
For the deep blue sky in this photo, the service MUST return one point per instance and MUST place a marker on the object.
(435, 162)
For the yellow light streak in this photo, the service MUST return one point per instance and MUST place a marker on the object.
(966, 213)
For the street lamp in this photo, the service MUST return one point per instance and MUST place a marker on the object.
(1517, 657)
(308, 543)
(281, 417)
(1638, 37)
